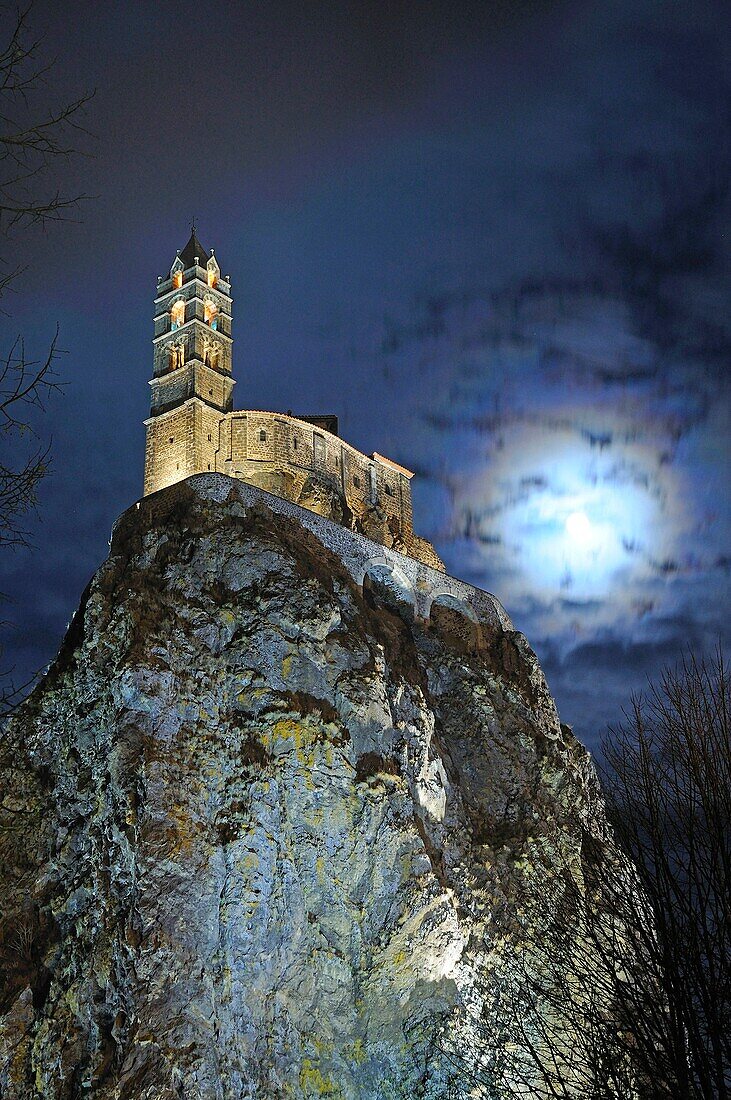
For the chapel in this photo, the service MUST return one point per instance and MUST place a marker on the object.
(193, 428)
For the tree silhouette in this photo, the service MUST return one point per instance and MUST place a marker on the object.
(38, 136)
(668, 779)
(616, 985)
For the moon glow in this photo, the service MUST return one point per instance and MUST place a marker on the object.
(579, 528)
(580, 533)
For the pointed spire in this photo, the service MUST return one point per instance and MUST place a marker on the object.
(192, 249)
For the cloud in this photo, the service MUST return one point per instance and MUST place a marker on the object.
(592, 377)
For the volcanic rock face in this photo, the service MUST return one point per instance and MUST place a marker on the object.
(263, 834)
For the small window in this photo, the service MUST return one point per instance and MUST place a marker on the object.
(262, 436)
(177, 315)
(294, 443)
(210, 313)
(388, 490)
(209, 440)
(213, 271)
(337, 463)
(178, 280)
(210, 393)
(356, 481)
(171, 439)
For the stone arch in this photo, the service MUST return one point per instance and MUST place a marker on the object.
(456, 603)
(176, 273)
(455, 621)
(210, 313)
(388, 584)
(213, 270)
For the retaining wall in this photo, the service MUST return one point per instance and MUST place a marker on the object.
(417, 583)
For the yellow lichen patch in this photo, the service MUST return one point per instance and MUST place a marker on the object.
(301, 737)
(323, 1046)
(286, 666)
(249, 862)
(356, 1052)
(286, 729)
(314, 1083)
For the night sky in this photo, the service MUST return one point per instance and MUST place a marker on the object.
(491, 237)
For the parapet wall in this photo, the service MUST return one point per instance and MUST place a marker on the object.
(416, 583)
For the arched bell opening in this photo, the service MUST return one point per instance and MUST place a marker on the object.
(210, 313)
(176, 273)
(177, 315)
(213, 271)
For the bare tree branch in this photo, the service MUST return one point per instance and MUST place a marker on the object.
(34, 135)
(669, 783)
(617, 983)
(39, 135)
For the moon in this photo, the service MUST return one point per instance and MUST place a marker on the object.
(580, 528)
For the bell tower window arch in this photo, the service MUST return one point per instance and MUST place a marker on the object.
(177, 314)
(210, 313)
(213, 271)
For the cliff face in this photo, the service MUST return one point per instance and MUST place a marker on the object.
(264, 835)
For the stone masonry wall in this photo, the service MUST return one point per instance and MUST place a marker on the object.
(416, 582)
(292, 459)
(170, 448)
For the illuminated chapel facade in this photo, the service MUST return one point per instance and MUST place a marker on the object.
(193, 429)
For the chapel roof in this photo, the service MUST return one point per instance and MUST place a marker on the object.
(192, 249)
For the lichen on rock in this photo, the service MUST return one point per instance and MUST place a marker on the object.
(263, 831)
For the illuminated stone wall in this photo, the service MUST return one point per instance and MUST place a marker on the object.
(425, 587)
(293, 460)
(194, 379)
(316, 469)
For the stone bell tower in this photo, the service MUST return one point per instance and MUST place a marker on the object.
(191, 384)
